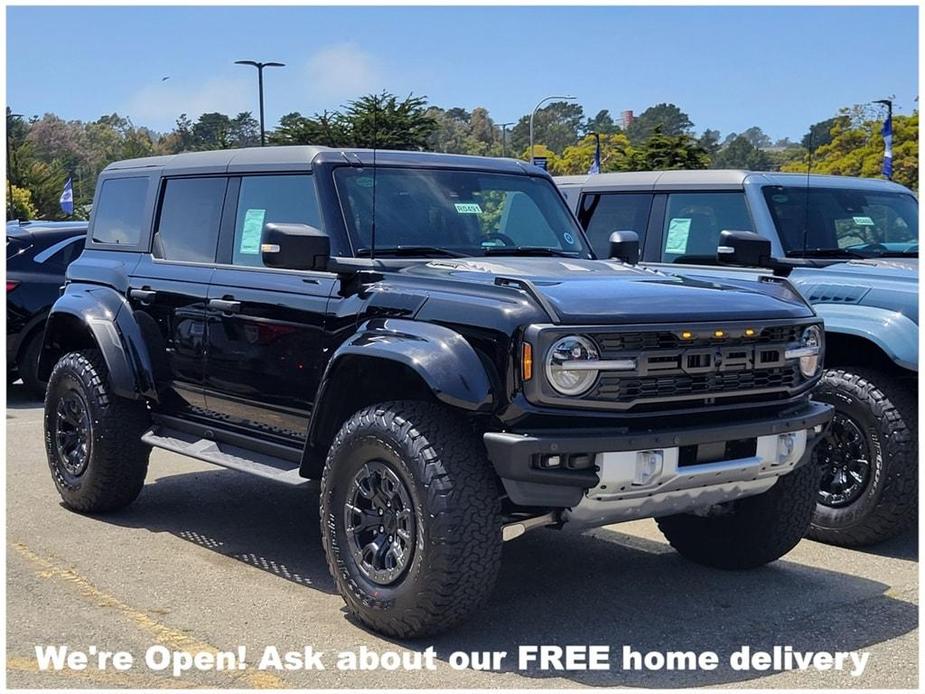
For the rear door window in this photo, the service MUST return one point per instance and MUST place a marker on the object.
(693, 222)
(601, 214)
(190, 215)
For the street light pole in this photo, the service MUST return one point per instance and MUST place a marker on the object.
(543, 101)
(260, 66)
(503, 127)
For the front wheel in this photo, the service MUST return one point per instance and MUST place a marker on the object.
(749, 532)
(410, 518)
(869, 458)
(92, 437)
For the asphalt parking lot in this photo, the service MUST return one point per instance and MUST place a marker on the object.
(211, 559)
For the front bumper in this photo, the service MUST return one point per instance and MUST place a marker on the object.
(618, 459)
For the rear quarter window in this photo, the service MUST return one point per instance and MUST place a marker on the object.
(601, 214)
(120, 211)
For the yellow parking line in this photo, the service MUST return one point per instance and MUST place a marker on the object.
(128, 680)
(163, 634)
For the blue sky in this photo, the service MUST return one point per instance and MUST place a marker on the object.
(729, 68)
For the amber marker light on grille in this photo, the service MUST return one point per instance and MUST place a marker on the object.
(527, 361)
(687, 335)
(749, 332)
(719, 333)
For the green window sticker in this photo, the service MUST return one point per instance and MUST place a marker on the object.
(252, 232)
(679, 228)
(468, 208)
(864, 221)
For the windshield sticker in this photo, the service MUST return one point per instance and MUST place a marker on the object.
(569, 239)
(679, 229)
(864, 221)
(468, 208)
(252, 231)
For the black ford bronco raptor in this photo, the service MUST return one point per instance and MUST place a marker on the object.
(432, 338)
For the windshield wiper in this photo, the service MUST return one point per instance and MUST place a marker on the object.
(528, 250)
(825, 253)
(410, 251)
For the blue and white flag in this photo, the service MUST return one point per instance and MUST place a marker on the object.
(596, 164)
(67, 198)
(888, 146)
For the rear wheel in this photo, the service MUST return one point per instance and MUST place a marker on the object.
(749, 532)
(869, 458)
(92, 437)
(410, 518)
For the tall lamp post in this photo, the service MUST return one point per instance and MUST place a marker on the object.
(9, 166)
(503, 127)
(543, 101)
(260, 66)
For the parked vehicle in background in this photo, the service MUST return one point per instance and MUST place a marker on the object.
(37, 255)
(431, 338)
(852, 245)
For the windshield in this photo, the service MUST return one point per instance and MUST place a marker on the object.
(844, 221)
(466, 213)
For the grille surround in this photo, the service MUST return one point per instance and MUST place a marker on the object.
(674, 373)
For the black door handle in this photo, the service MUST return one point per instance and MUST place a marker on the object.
(145, 296)
(225, 305)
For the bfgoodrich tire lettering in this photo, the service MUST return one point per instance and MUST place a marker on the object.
(108, 462)
(884, 409)
(456, 555)
(752, 531)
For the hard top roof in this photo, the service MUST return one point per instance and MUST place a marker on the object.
(302, 157)
(718, 179)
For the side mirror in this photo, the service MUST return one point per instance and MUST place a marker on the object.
(743, 248)
(295, 247)
(624, 245)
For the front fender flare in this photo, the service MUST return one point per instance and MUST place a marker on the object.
(894, 333)
(443, 359)
(109, 319)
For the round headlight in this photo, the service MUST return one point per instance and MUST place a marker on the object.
(811, 339)
(570, 365)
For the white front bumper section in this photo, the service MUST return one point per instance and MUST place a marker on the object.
(650, 483)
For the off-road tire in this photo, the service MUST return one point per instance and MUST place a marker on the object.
(116, 459)
(753, 531)
(456, 500)
(29, 364)
(887, 409)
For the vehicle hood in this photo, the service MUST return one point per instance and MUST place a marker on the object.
(610, 292)
(888, 283)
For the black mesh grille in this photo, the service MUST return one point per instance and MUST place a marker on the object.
(672, 372)
(615, 388)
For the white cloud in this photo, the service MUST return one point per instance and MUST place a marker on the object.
(342, 71)
(160, 104)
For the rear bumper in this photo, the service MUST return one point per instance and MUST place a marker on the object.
(515, 456)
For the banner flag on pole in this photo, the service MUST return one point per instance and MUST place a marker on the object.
(888, 146)
(596, 164)
(67, 198)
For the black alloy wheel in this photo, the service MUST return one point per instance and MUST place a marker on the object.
(73, 433)
(845, 457)
(380, 523)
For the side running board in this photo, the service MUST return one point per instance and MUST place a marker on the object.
(226, 455)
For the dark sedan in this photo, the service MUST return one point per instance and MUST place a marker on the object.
(37, 255)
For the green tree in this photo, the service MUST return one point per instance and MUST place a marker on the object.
(709, 141)
(602, 123)
(556, 125)
(668, 119)
(384, 121)
(742, 154)
(660, 151)
(616, 155)
(21, 203)
(856, 148)
(820, 133)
